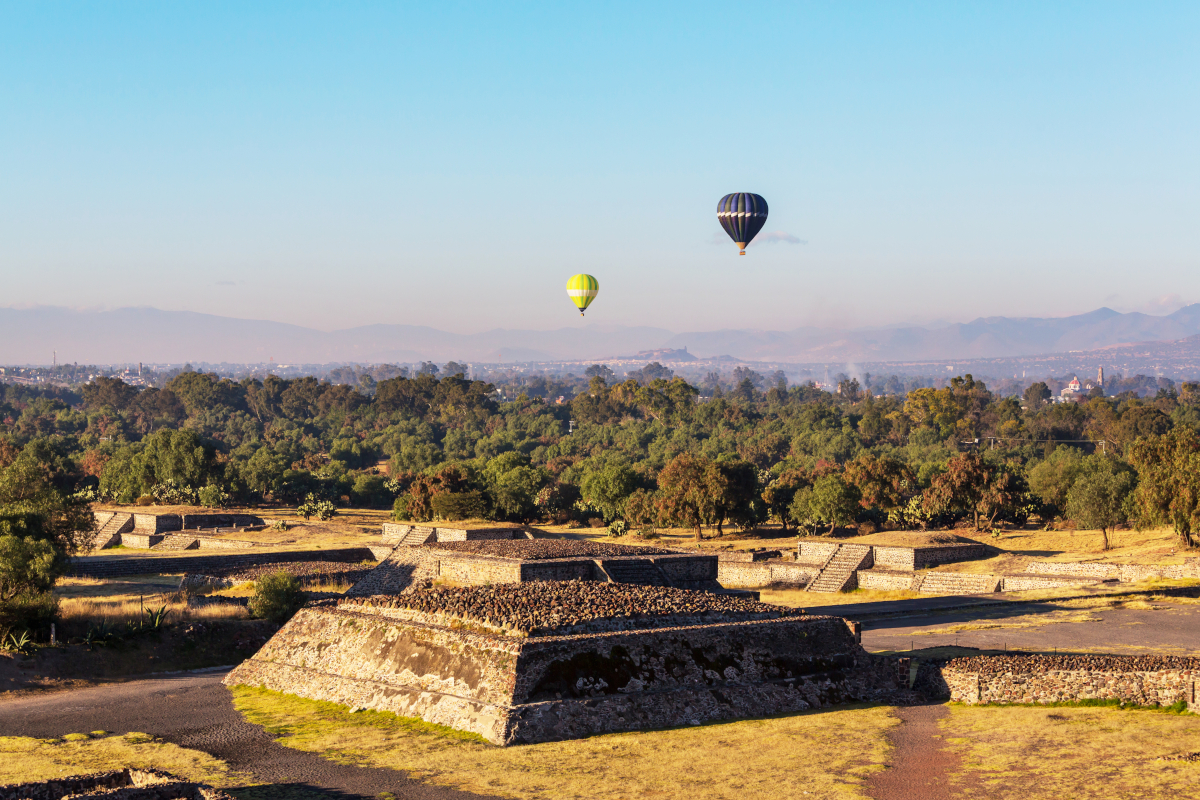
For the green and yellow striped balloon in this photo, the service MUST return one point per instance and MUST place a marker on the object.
(582, 289)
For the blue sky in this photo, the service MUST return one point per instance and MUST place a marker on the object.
(452, 164)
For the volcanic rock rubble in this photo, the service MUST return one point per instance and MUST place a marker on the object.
(1033, 663)
(540, 549)
(540, 608)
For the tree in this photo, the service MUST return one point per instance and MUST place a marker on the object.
(1100, 496)
(1052, 478)
(1037, 395)
(830, 501)
(27, 565)
(883, 482)
(964, 486)
(1168, 489)
(780, 492)
(739, 491)
(600, 371)
(689, 489)
(111, 392)
(606, 489)
(513, 486)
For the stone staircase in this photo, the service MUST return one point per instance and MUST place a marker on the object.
(177, 541)
(634, 570)
(838, 573)
(111, 528)
(956, 583)
(418, 534)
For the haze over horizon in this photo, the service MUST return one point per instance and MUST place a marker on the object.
(451, 165)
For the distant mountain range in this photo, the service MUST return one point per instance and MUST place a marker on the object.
(128, 335)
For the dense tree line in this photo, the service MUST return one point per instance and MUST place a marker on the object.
(634, 454)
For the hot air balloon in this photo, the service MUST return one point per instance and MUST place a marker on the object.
(742, 215)
(582, 289)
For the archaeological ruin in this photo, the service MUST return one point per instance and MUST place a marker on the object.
(547, 660)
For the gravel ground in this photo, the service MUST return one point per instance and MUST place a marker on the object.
(920, 766)
(195, 711)
(540, 607)
(538, 549)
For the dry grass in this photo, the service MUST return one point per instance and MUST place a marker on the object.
(828, 753)
(25, 759)
(798, 598)
(1028, 753)
(77, 614)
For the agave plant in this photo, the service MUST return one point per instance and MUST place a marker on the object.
(22, 644)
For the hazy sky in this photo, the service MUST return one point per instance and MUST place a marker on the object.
(452, 164)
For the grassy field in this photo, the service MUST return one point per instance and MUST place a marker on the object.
(1006, 752)
(1029, 753)
(827, 753)
(25, 759)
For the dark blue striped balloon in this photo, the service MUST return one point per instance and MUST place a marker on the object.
(742, 215)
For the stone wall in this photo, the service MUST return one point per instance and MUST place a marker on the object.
(520, 690)
(1127, 573)
(197, 521)
(757, 574)
(885, 580)
(114, 566)
(1059, 679)
(914, 558)
(1023, 583)
(816, 552)
(142, 541)
(156, 523)
(748, 555)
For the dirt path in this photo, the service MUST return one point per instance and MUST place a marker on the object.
(920, 768)
(195, 711)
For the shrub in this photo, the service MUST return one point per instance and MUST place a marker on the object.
(276, 597)
(312, 507)
(213, 497)
(145, 500)
(596, 522)
(30, 611)
(400, 509)
(458, 505)
(279, 525)
(617, 528)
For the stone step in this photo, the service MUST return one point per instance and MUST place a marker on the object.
(178, 542)
(958, 583)
(840, 570)
(418, 534)
(113, 526)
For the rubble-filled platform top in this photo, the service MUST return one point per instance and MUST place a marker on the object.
(547, 608)
(541, 549)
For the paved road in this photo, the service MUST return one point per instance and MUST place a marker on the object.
(194, 710)
(1172, 629)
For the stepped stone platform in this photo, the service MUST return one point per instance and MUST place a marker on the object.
(546, 661)
(478, 562)
(398, 533)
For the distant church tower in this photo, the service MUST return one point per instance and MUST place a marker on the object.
(1100, 377)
